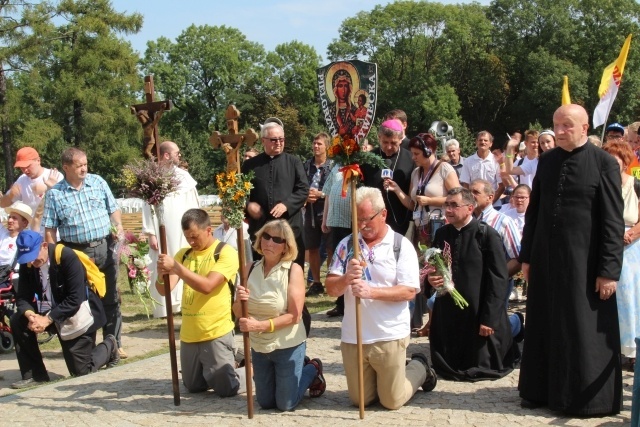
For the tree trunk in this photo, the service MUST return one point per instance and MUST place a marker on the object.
(6, 132)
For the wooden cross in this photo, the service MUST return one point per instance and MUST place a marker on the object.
(149, 114)
(232, 142)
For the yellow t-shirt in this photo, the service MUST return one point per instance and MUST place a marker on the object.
(207, 316)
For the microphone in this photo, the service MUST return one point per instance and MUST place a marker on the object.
(386, 174)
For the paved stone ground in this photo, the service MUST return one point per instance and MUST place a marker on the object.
(140, 394)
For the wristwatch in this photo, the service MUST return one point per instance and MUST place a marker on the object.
(322, 195)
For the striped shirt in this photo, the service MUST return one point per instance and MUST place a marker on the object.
(81, 216)
(507, 229)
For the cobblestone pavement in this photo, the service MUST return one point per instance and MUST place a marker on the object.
(140, 394)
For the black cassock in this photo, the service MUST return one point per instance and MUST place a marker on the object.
(479, 270)
(280, 179)
(573, 234)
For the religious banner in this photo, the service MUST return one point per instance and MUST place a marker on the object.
(348, 97)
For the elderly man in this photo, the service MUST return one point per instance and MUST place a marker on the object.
(20, 216)
(572, 257)
(385, 279)
(473, 343)
(483, 165)
(43, 279)
(317, 169)
(280, 186)
(175, 205)
(452, 148)
(399, 165)
(31, 186)
(82, 209)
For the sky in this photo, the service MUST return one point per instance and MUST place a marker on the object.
(268, 22)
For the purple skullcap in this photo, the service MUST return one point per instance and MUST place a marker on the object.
(393, 124)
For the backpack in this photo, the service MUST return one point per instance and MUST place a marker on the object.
(397, 243)
(216, 256)
(306, 316)
(95, 277)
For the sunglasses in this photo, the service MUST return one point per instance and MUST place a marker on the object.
(275, 239)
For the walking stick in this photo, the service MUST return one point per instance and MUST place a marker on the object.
(356, 255)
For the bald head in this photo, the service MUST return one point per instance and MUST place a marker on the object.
(570, 124)
(170, 152)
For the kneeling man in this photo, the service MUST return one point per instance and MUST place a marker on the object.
(385, 279)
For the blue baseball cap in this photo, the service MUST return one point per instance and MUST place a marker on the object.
(28, 243)
(616, 127)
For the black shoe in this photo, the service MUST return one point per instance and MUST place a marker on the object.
(531, 404)
(432, 379)
(315, 289)
(335, 311)
(29, 382)
(520, 337)
(114, 357)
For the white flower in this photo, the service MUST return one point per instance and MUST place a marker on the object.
(147, 259)
(139, 262)
(431, 252)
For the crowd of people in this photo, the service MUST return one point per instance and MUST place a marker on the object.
(554, 208)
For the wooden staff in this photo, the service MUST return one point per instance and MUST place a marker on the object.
(356, 255)
(170, 327)
(245, 335)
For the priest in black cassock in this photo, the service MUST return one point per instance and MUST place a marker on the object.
(473, 343)
(572, 254)
(400, 164)
(280, 185)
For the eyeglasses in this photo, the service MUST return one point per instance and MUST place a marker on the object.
(452, 206)
(363, 220)
(613, 137)
(275, 239)
(520, 197)
(274, 140)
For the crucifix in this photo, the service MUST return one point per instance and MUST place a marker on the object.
(149, 115)
(231, 144)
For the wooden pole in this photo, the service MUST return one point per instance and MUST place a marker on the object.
(356, 255)
(245, 335)
(170, 327)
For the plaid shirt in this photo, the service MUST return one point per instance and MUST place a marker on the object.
(81, 216)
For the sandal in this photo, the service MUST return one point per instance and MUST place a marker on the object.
(319, 385)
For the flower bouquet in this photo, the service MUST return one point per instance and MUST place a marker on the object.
(439, 262)
(346, 151)
(150, 181)
(233, 190)
(134, 253)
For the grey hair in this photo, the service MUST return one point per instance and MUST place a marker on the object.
(374, 195)
(270, 125)
(487, 188)
(452, 143)
(467, 195)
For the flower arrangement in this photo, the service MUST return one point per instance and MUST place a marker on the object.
(134, 253)
(345, 150)
(149, 180)
(439, 262)
(233, 190)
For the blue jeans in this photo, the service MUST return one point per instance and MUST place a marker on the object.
(280, 377)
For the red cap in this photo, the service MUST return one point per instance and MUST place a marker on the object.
(25, 156)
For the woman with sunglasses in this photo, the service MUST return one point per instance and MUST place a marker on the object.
(275, 297)
(430, 182)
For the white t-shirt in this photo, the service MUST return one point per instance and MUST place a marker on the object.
(27, 193)
(515, 216)
(476, 168)
(529, 167)
(8, 246)
(381, 320)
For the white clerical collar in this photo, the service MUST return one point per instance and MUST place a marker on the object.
(465, 224)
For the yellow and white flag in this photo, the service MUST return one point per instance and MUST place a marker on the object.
(609, 85)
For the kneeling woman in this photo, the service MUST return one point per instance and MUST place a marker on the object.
(275, 295)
